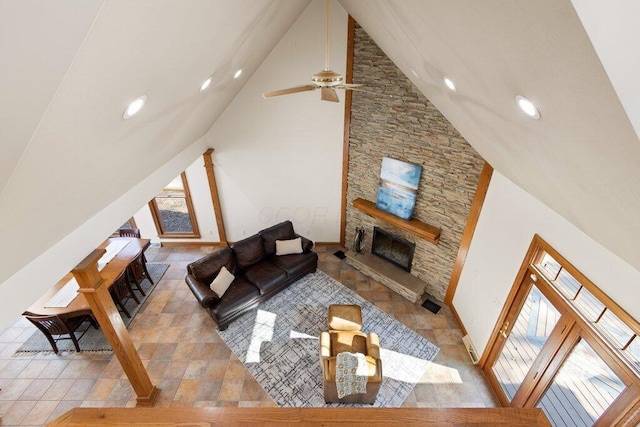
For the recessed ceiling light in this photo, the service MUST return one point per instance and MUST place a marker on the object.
(134, 106)
(528, 107)
(205, 84)
(237, 74)
(415, 74)
(449, 83)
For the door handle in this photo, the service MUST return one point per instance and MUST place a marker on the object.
(503, 330)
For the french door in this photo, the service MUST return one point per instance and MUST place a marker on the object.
(544, 357)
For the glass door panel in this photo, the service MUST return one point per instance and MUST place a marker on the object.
(582, 390)
(530, 331)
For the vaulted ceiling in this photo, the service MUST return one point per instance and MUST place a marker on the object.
(70, 68)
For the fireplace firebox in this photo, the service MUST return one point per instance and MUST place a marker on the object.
(392, 248)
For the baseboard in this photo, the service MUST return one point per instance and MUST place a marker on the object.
(455, 314)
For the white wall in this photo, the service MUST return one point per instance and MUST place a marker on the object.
(24, 287)
(202, 206)
(281, 158)
(509, 219)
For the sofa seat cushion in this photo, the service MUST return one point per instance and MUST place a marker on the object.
(296, 264)
(265, 276)
(238, 296)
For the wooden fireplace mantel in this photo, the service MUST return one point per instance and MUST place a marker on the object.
(419, 228)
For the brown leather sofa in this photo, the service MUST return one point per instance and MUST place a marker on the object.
(259, 272)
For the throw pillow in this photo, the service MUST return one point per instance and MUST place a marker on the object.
(222, 282)
(286, 247)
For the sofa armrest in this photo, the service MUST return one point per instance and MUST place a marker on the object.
(325, 345)
(203, 293)
(373, 345)
(307, 245)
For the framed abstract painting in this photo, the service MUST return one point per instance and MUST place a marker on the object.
(398, 187)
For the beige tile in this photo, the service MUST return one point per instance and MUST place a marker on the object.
(122, 391)
(208, 390)
(196, 369)
(13, 368)
(80, 389)
(146, 350)
(40, 412)
(101, 389)
(251, 390)
(16, 414)
(53, 368)
(33, 369)
(184, 351)
(156, 368)
(113, 369)
(231, 390)
(187, 390)
(176, 369)
(164, 351)
(216, 369)
(58, 389)
(235, 370)
(15, 389)
(36, 389)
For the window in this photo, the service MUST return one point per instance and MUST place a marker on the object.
(600, 315)
(172, 210)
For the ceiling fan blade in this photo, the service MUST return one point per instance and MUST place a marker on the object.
(296, 89)
(329, 94)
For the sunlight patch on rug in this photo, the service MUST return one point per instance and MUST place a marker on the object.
(278, 343)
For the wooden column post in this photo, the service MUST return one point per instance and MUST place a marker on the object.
(95, 290)
(213, 187)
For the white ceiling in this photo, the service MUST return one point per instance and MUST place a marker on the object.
(70, 67)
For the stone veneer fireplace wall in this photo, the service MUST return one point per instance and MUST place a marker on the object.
(409, 128)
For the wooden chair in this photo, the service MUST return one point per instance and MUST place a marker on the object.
(121, 292)
(137, 271)
(129, 232)
(60, 326)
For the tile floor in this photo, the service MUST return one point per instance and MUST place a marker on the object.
(186, 358)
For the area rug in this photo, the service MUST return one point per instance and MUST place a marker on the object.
(94, 340)
(278, 343)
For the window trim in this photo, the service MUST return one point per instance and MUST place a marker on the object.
(155, 213)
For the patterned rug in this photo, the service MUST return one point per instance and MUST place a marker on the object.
(94, 340)
(278, 343)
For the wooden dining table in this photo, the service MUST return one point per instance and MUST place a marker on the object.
(79, 305)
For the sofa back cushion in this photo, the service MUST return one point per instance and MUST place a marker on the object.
(248, 251)
(282, 231)
(207, 268)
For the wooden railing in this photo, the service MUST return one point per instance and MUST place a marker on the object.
(202, 417)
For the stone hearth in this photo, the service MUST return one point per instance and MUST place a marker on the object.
(395, 278)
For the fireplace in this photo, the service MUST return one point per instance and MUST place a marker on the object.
(392, 248)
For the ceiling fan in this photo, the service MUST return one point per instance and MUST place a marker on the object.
(326, 80)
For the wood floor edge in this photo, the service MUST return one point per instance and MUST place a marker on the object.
(305, 416)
